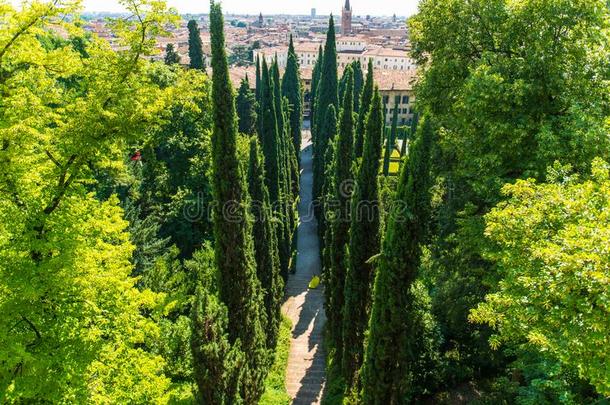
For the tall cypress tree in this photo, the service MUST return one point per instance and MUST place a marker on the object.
(274, 164)
(328, 193)
(195, 47)
(401, 353)
(315, 81)
(364, 243)
(269, 136)
(265, 242)
(410, 136)
(291, 89)
(246, 108)
(389, 146)
(258, 79)
(217, 364)
(171, 56)
(327, 95)
(284, 172)
(340, 222)
(284, 131)
(293, 161)
(365, 102)
(342, 85)
(239, 287)
(358, 83)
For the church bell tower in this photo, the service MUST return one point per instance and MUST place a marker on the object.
(346, 19)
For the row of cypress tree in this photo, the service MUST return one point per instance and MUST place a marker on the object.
(236, 314)
(379, 329)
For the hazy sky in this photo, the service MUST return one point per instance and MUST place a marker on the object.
(360, 7)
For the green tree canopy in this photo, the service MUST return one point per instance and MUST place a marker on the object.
(72, 327)
(552, 253)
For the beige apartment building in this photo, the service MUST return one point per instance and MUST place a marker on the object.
(349, 49)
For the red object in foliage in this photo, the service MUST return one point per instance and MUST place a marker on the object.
(137, 157)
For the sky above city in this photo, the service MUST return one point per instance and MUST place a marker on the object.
(360, 7)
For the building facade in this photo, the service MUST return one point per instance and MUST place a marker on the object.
(349, 49)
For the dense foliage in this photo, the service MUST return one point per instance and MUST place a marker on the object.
(364, 243)
(491, 278)
(338, 219)
(148, 212)
(73, 323)
(552, 246)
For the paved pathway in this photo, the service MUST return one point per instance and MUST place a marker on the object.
(305, 375)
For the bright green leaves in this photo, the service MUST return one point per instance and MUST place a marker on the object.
(72, 323)
(553, 255)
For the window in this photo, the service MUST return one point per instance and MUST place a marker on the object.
(405, 110)
(386, 99)
(405, 99)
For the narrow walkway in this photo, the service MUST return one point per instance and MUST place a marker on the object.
(305, 375)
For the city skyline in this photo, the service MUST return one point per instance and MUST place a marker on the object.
(360, 7)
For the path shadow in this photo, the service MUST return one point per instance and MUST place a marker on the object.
(313, 383)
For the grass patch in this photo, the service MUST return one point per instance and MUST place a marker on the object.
(275, 384)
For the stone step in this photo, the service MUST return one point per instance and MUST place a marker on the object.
(305, 375)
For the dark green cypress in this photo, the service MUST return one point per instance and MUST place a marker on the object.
(258, 79)
(293, 161)
(257, 93)
(246, 108)
(340, 222)
(358, 83)
(401, 354)
(389, 146)
(239, 287)
(327, 95)
(315, 81)
(171, 56)
(342, 85)
(365, 102)
(195, 47)
(291, 89)
(269, 136)
(216, 364)
(285, 172)
(328, 192)
(411, 135)
(364, 243)
(265, 242)
(274, 72)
